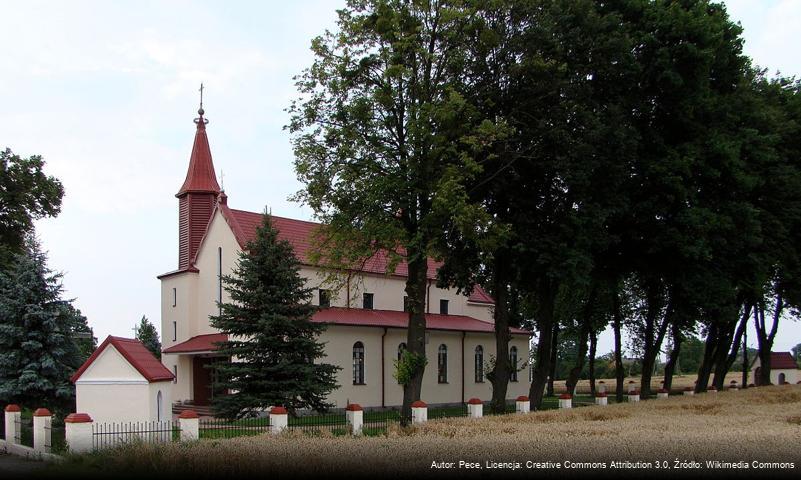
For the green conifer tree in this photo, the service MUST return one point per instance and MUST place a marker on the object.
(38, 353)
(147, 334)
(272, 341)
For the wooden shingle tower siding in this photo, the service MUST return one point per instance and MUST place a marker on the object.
(197, 196)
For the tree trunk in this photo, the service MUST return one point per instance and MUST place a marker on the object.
(673, 359)
(501, 373)
(729, 355)
(416, 332)
(653, 341)
(709, 355)
(745, 359)
(553, 359)
(584, 336)
(765, 338)
(617, 321)
(593, 348)
(547, 295)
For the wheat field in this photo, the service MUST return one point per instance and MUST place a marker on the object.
(758, 424)
(679, 382)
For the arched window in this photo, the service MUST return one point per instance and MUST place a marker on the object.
(159, 407)
(479, 364)
(442, 364)
(782, 378)
(358, 363)
(513, 363)
(401, 349)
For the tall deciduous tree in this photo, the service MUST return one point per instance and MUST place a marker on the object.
(272, 342)
(37, 349)
(26, 194)
(384, 143)
(147, 334)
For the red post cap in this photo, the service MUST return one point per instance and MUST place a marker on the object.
(419, 404)
(474, 401)
(662, 390)
(188, 414)
(354, 407)
(522, 398)
(602, 382)
(42, 412)
(631, 381)
(688, 389)
(13, 407)
(712, 388)
(565, 396)
(278, 411)
(733, 381)
(600, 394)
(634, 392)
(78, 418)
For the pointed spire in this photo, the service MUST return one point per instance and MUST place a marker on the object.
(200, 177)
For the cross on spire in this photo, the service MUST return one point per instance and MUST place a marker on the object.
(201, 96)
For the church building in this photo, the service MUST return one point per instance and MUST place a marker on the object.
(366, 322)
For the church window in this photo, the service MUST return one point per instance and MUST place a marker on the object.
(479, 358)
(175, 373)
(513, 363)
(174, 297)
(219, 279)
(174, 331)
(325, 298)
(367, 301)
(443, 307)
(358, 363)
(442, 364)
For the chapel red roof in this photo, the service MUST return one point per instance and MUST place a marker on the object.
(136, 354)
(200, 176)
(782, 360)
(199, 343)
(299, 234)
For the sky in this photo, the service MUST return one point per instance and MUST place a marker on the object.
(106, 92)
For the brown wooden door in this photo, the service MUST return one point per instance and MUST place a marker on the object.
(201, 380)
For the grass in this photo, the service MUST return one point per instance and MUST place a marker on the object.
(761, 424)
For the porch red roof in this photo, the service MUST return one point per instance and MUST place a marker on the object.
(782, 360)
(199, 343)
(136, 354)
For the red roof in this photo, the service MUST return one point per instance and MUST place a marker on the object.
(782, 360)
(136, 354)
(360, 318)
(200, 177)
(299, 234)
(395, 319)
(199, 343)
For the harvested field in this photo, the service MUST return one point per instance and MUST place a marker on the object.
(759, 424)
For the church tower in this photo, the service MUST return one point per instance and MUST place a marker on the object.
(197, 196)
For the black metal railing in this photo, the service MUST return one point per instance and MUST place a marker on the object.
(333, 421)
(106, 435)
(54, 440)
(222, 428)
(448, 412)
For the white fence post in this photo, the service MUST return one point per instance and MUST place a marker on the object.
(419, 412)
(13, 415)
(662, 393)
(41, 429)
(355, 418)
(634, 395)
(475, 409)
(601, 399)
(689, 391)
(278, 419)
(522, 404)
(733, 386)
(631, 386)
(78, 432)
(712, 389)
(602, 387)
(189, 423)
(565, 401)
